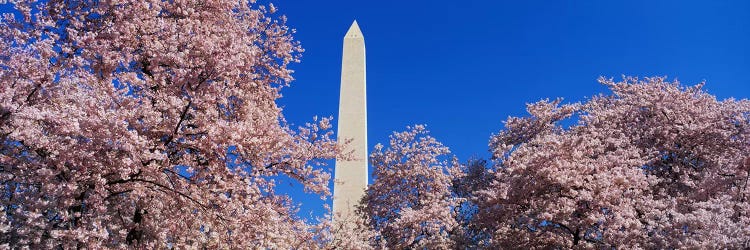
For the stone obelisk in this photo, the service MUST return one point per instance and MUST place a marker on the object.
(351, 176)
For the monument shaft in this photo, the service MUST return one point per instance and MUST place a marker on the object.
(351, 176)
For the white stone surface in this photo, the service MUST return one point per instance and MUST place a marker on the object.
(351, 176)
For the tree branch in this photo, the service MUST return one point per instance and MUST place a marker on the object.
(179, 123)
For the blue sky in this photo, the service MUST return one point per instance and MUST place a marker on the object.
(464, 67)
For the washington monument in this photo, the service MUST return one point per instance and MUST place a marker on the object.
(351, 176)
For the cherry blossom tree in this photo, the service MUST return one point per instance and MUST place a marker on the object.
(653, 165)
(409, 202)
(469, 178)
(151, 124)
(353, 233)
(417, 199)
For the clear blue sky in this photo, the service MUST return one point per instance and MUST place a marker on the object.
(462, 67)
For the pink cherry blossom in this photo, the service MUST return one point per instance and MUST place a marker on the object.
(152, 124)
(653, 165)
(409, 202)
